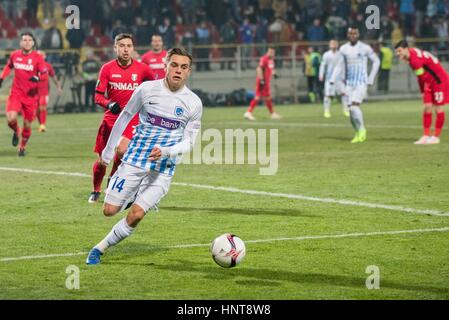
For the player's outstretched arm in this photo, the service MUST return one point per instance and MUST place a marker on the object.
(134, 105)
(375, 68)
(322, 69)
(338, 69)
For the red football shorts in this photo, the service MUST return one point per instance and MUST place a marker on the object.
(264, 91)
(105, 131)
(26, 106)
(438, 94)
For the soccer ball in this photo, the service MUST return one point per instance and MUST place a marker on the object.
(228, 250)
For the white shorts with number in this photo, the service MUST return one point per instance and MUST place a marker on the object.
(357, 93)
(129, 183)
(331, 90)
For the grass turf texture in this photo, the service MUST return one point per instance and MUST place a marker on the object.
(48, 214)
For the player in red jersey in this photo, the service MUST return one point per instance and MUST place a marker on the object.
(155, 58)
(28, 66)
(116, 83)
(265, 70)
(44, 92)
(434, 85)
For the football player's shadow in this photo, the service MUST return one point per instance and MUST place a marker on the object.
(274, 277)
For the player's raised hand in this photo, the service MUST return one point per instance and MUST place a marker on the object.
(155, 154)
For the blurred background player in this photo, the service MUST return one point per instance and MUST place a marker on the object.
(330, 60)
(44, 92)
(265, 70)
(434, 85)
(155, 58)
(28, 65)
(354, 58)
(170, 120)
(116, 83)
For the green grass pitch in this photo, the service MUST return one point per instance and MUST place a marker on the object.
(44, 214)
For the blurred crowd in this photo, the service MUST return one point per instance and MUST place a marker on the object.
(221, 22)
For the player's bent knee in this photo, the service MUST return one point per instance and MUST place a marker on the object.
(110, 210)
(135, 215)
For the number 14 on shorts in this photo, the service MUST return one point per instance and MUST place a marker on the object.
(118, 184)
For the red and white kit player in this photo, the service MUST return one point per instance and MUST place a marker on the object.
(28, 65)
(434, 85)
(155, 58)
(44, 92)
(116, 83)
(265, 70)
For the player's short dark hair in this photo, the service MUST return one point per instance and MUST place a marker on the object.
(401, 44)
(122, 36)
(179, 52)
(353, 27)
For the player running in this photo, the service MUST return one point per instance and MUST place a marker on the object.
(170, 119)
(354, 58)
(117, 81)
(265, 70)
(155, 58)
(328, 64)
(28, 66)
(44, 92)
(434, 85)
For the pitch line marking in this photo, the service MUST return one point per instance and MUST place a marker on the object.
(301, 238)
(264, 193)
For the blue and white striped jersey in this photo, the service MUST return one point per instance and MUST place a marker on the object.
(169, 120)
(354, 58)
(328, 64)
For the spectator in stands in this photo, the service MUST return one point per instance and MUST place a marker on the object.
(386, 63)
(142, 31)
(265, 9)
(432, 8)
(117, 28)
(316, 32)
(261, 35)
(228, 34)
(32, 6)
(407, 11)
(420, 10)
(75, 37)
(52, 40)
(280, 9)
(442, 33)
(90, 69)
(203, 38)
(246, 31)
(427, 32)
(166, 31)
(48, 7)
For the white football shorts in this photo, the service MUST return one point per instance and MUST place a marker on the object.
(356, 93)
(129, 183)
(331, 90)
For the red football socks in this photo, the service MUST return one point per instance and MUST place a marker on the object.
(98, 175)
(252, 105)
(269, 104)
(26, 134)
(427, 123)
(439, 124)
(43, 116)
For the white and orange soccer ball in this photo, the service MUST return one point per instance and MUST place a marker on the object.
(228, 250)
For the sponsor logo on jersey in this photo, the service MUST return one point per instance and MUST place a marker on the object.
(123, 86)
(162, 122)
(116, 75)
(179, 111)
(22, 66)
